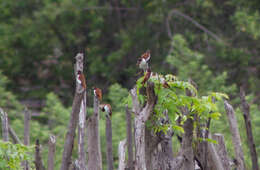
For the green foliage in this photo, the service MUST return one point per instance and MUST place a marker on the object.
(12, 155)
(174, 100)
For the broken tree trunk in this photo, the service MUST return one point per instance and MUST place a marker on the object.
(38, 159)
(69, 141)
(130, 164)
(235, 136)
(81, 133)
(250, 138)
(141, 116)
(222, 151)
(93, 139)
(51, 153)
(4, 119)
(121, 155)
(109, 146)
(159, 154)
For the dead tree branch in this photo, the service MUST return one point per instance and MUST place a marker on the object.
(121, 155)
(81, 133)
(38, 159)
(14, 135)
(4, 119)
(235, 136)
(140, 118)
(222, 151)
(68, 145)
(93, 139)
(250, 138)
(27, 118)
(109, 146)
(51, 153)
(130, 164)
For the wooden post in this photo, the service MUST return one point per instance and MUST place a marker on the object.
(222, 151)
(235, 136)
(69, 141)
(250, 138)
(4, 119)
(27, 118)
(51, 153)
(38, 159)
(121, 155)
(109, 146)
(130, 164)
(93, 139)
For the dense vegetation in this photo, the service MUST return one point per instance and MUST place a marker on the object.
(216, 43)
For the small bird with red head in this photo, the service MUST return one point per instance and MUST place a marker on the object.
(142, 62)
(98, 93)
(147, 76)
(107, 109)
(81, 79)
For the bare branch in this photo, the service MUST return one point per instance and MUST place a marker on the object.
(250, 138)
(13, 135)
(27, 118)
(188, 18)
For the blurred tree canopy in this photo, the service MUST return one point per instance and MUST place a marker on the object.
(40, 38)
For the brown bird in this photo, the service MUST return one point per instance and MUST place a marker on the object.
(147, 76)
(106, 108)
(81, 79)
(98, 93)
(142, 62)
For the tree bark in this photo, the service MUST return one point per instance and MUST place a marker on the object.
(130, 164)
(81, 133)
(121, 155)
(93, 139)
(51, 153)
(27, 118)
(250, 138)
(69, 141)
(186, 146)
(235, 136)
(222, 151)
(109, 146)
(141, 116)
(4, 119)
(38, 159)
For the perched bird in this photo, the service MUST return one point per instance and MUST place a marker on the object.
(106, 108)
(98, 93)
(147, 76)
(142, 62)
(81, 79)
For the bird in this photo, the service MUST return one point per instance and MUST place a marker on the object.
(106, 108)
(142, 61)
(81, 79)
(147, 76)
(98, 93)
